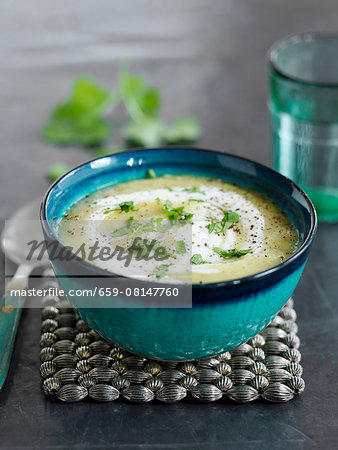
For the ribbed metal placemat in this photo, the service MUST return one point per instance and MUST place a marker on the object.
(76, 363)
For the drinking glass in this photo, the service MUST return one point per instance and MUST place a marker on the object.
(303, 78)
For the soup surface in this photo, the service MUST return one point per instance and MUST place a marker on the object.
(180, 229)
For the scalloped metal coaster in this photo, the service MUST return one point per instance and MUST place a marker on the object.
(77, 363)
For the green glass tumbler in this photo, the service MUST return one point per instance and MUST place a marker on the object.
(303, 104)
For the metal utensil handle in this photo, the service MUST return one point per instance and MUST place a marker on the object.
(10, 313)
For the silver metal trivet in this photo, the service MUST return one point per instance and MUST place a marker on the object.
(76, 363)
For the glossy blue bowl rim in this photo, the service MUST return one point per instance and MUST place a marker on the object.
(303, 249)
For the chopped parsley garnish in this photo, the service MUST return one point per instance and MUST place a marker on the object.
(228, 254)
(197, 259)
(133, 225)
(229, 219)
(196, 200)
(167, 205)
(194, 190)
(123, 207)
(176, 215)
(153, 225)
(161, 270)
(127, 206)
(180, 247)
(129, 228)
(170, 189)
(151, 173)
(146, 246)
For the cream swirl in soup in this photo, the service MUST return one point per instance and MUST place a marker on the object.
(208, 230)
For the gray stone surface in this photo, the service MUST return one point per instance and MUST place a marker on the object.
(208, 58)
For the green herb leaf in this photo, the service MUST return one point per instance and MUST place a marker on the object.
(139, 98)
(126, 207)
(154, 225)
(194, 190)
(65, 128)
(161, 270)
(151, 173)
(176, 215)
(123, 231)
(142, 103)
(183, 130)
(229, 219)
(91, 96)
(105, 151)
(167, 206)
(232, 217)
(228, 254)
(79, 119)
(146, 132)
(57, 170)
(180, 247)
(197, 259)
(123, 207)
(129, 228)
(135, 226)
(196, 200)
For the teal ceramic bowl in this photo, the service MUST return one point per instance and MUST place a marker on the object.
(224, 314)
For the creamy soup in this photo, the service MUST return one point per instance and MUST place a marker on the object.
(188, 229)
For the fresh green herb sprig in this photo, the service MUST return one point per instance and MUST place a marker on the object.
(143, 103)
(229, 219)
(229, 254)
(80, 120)
(183, 130)
(152, 131)
(197, 259)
